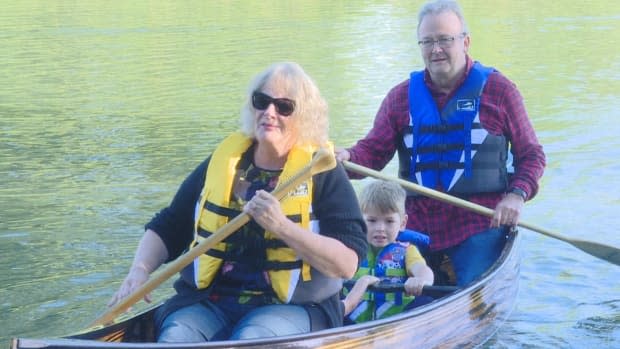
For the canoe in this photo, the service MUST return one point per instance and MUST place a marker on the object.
(465, 318)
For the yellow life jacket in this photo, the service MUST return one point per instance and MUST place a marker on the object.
(299, 284)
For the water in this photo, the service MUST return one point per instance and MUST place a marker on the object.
(106, 106)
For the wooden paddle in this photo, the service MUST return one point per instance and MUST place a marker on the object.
(322, 161)
(599, 250)
(400, 287)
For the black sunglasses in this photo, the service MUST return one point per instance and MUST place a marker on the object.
(284, 106)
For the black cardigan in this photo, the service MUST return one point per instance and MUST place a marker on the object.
(334, 204)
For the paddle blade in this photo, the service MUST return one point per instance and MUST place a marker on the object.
(605, 252)
(323, 160)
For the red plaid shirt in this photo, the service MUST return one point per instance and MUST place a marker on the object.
(501, 112)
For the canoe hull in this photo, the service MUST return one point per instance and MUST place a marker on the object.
(463, 319)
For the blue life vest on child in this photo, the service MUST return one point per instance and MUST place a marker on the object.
(390, 266)
(421, 240)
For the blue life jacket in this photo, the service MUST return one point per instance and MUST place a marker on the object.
(420, 240)
(389, 264)
(450, 149)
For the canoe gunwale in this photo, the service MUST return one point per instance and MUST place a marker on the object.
(488, 301)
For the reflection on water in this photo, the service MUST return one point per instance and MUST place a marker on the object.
(105, 108)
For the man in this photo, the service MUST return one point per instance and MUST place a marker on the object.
(461, 128)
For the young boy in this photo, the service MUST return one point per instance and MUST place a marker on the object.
(387, 261)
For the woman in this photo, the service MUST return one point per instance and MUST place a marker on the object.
(281, 273)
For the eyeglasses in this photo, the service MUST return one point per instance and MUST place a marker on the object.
(442, 41)
(284, 106)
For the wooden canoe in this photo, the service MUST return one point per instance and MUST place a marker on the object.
(464, 319)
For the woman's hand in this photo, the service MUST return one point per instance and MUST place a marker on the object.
(326, 254)
(136, 277)
(266, 211)
(151, 253)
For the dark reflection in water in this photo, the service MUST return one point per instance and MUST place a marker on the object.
(105, 108)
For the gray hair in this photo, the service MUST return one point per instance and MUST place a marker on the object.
(438, 6)
(310, 118)
(384, 196)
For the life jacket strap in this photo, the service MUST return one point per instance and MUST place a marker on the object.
(257, 263)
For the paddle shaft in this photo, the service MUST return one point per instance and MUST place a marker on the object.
(400, 287)
(171, 269)
(605, 252)
(322, 161)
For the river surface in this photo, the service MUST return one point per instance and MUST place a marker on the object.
(105, 107)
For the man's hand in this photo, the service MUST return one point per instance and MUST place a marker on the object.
(507, 211)
(342, 154)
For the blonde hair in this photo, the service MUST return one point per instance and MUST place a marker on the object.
(384, 196)
(310, 118)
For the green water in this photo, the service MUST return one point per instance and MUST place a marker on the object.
(105, 106)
